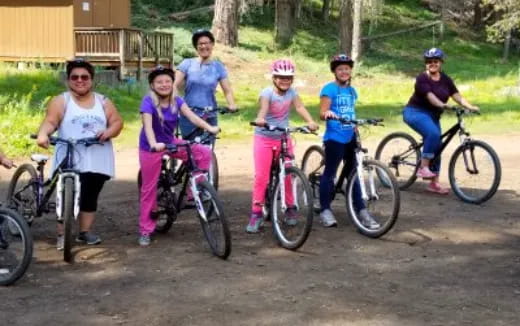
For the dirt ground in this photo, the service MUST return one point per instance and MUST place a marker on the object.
(444, 263)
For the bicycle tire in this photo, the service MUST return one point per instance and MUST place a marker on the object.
(398, 158)
(68, 216)
(9, 277)
(313, 164)
(390, 188)
(463, 192)
(166, 215)
(216, 221)
(292, 231)
(26, 206)
(213, 171)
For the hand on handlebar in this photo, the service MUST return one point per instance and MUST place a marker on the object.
(102, 136)
(213, 129)
(260, 122)
(43, 140)
(157, 147)
(313, 126)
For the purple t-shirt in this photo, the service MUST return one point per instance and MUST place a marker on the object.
(443, 89)
(164, 132)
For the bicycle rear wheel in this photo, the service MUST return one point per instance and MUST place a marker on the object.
(313, 164)
(474, 172)
(68, 216)
(16, 246)
(292, 225)
(383, 199)
(22, 192)
(215, 226)
(400, 153)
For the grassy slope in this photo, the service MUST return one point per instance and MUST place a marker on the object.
(384, 79)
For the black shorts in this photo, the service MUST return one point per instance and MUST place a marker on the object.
(91, 185)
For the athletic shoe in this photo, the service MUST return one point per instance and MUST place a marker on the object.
(144, 240)
(367, 220)
(327, 218)
(436, 187)
(256, 221)
(88, 238)
(60, 242)
(291, 216)
(425, 173)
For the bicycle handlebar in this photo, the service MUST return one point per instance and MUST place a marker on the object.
(205, 138)
(219, 109)
(88, 141)
(288, 130)
(461, 111)
(360, 122)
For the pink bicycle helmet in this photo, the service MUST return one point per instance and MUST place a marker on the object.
(282, 67)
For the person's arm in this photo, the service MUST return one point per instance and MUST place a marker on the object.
(462, 101)
(325, 112)
(114, 122)
(262, 112)
(149, 133)
(302, 111)
(434, 100)
(196, 120)
(178, 83)
(228, 93)
(52, 120)
(5, 161)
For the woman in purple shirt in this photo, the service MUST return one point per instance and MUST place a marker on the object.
(433, 89)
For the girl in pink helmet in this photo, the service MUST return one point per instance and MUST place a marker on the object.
(275, 104)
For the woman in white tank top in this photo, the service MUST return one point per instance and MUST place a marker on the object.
(76, 114)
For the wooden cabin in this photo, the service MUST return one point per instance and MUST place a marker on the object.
(96, 30)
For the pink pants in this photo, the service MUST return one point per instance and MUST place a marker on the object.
(150, 163)
(264, 150)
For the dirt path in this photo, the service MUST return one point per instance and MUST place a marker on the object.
(445, 263)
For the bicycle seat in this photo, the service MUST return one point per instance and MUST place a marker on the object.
(39, 158)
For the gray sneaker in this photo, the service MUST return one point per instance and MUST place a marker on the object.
(367, 220)
(60, 242)
(144, 240)
(88, 238)
(327, 218)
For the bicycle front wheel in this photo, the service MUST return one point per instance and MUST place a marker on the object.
(474, 172)
(400, 153)
(213, 171)
(292, 209)
(215, 226)
(382, 200)
(23, 191)
(68, 216)
(313, 164)
(16, 246)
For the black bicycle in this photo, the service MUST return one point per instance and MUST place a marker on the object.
(176, 181)
(288, 199)
(474, 170)
(206, 113)
(16, 246)
(26, 193)
(378, 187)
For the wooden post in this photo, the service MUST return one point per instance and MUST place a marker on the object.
(122, 54)
(173, 51)
(139, 55)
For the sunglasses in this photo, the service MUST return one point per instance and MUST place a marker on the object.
(431, 61)
(79, 77)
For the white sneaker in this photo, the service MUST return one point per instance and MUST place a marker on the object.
(60, 242)
(367, 220)
(327, 218)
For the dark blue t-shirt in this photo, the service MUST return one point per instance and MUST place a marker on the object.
(444, 88)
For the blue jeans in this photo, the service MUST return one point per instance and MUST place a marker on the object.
(429, 127)
(335, 152)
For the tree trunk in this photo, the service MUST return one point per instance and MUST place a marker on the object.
(356, 30)
(345, 26)
(325, 10)
(507, 45)
(284, 22)
(477, 14)
(225, 22)
(299, 5)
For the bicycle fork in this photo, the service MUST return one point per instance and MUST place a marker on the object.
(360, 174)
(196, 195)
(59, 194)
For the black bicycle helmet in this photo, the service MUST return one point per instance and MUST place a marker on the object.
(160, 70)
(200, 33)
(79, 63)
(340, 59)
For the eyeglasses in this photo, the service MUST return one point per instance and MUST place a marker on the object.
(79, 77)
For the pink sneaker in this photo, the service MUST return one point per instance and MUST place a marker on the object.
(436, 187)
(425, 173)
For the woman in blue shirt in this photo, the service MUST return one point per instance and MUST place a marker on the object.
(201, 75)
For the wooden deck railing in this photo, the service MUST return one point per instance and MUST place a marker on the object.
(124, 46)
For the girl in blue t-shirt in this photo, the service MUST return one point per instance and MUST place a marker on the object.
(337, 100)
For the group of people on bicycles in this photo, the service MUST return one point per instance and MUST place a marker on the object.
(80, 112)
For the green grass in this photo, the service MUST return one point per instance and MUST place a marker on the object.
(384, 78)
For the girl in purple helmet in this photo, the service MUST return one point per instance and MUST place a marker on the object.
(275, 105)
(433, 89)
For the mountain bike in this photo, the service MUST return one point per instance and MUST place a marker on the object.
(378, 186)
(16, 246)
(474, 170)
(205, 114)
(29, 193)
(175, 182)
(288, 199)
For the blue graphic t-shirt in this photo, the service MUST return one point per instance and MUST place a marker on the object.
(343, 101)
(201, 81)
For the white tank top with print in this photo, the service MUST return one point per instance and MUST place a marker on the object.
(80, 123)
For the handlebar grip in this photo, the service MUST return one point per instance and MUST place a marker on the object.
(33, 136)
